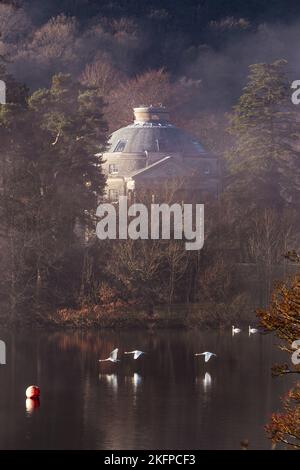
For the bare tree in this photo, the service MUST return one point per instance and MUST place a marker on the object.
(153, 87)
(176, 265)
(55, 39)
(272, 234)
(14, 23)
(102, 75)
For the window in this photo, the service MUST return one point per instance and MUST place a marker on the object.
(207, 170)
(198, 146)
(113, 195)
(112, 168)
(120, 146)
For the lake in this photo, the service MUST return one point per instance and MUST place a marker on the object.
(167, 399)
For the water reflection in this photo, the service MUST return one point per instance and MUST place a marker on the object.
(135, 380)
(31, 405)
(206, 382)
(111, 380)
(138, 404)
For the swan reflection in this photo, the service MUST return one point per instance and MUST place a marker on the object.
(135, 380)
(206, 381)
(111, 380)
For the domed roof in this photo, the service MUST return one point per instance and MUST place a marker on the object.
(152, 132)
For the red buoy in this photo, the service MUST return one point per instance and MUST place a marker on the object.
(33, 391)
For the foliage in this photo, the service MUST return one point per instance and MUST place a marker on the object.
(283, 317)
(50, 191)
(285, 427)
(263, 162)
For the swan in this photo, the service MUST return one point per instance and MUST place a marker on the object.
(252, 331)
(113, 357)
(207, 355)
(136, 353)
(235, 330)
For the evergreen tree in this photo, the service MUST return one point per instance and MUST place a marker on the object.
(264, 164)
(51, 181)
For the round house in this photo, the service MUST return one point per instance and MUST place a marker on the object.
(151, 152)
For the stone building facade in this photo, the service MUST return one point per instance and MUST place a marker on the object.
(152, 151)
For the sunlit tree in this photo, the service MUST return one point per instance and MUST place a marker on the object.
(283, 317)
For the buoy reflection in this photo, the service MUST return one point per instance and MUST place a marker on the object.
(32, 404)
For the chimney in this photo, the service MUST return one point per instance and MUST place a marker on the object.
(151, 114)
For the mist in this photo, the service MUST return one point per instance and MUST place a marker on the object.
(218, 53)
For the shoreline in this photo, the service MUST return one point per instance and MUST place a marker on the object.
(178, 316)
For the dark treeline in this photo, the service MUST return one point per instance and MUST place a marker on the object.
(212, 42)
(74, 70)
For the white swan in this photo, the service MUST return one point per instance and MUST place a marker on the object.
(207, 355)
(136, 353)
(252, 331)
(113, 357)
(235, 330)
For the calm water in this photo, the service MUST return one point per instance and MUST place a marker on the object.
(165, 400)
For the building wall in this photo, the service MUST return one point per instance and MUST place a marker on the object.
(126, 163)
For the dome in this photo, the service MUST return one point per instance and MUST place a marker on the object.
(151, 132)
(151, 151)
